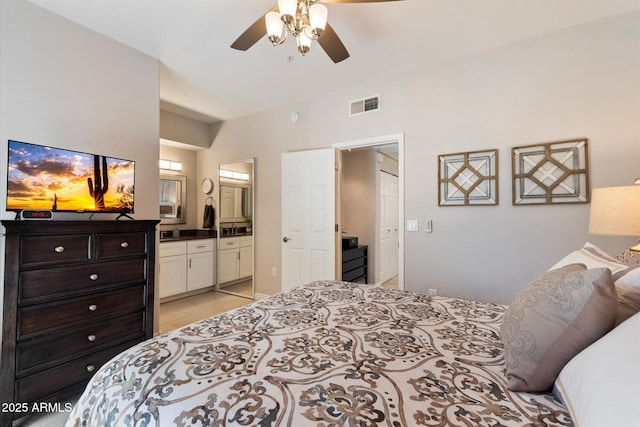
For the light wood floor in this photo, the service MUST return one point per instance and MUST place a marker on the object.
(181, 312)
(245, 288)
(391, 283)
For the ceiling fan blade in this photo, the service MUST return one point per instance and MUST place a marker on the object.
(356, 1)
(251, 35)
(332, 45)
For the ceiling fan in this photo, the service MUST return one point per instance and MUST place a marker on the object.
(306, 20)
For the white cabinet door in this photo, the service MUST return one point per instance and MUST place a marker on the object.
(246, 261)
(200, 271)
(173, 274)
(229, 265)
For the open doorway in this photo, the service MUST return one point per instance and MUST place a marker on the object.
(369, 209)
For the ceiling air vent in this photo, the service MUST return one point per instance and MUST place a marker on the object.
(366, 105)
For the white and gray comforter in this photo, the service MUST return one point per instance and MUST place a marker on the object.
(324, 354)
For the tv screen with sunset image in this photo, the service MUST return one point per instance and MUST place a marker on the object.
(48, 178)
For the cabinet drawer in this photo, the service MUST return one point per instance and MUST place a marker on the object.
(172, 249)
(352, 275)
(354, 253)
(49, 349)
(353, 264)
(41, 250)
(120, 245)
(229, 243)
(246, 241)
(40, 385)
(198, 246)
(52, 281)
(44, 317)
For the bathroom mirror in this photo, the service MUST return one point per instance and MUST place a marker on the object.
(173, 199)
(235, 203)
(235, 228)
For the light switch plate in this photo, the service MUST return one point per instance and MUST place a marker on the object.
(429, 226)
(412, 225)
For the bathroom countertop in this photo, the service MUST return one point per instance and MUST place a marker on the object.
(188, 235)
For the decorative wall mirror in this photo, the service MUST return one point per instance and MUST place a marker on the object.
(173, 199)
(235, 228)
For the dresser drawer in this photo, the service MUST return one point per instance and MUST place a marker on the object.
(43, 317)
(352, 275)
(52, 281)
(353, 264)
(49, 349)
(120, 245)
(42, 250)
(38, 386)
(349, 254)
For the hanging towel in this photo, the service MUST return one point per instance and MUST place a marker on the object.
(209, 217)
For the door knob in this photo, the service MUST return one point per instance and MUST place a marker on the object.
(285, 239)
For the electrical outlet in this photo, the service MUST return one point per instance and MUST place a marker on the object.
(433, 292)
(429, 226)
(274, 271)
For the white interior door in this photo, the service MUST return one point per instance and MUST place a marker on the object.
(388, 226)
(308, 217)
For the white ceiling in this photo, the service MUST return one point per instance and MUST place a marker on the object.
(203, 78)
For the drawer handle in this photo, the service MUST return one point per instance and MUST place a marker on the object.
(229, 243)
(201, 246)
(124, 245)
(93, 307)
(90, 368)
(93, 277)
(91, 337)
(59, 249)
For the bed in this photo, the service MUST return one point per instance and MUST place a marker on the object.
(327, 354)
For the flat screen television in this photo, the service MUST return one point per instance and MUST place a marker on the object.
(56, 179)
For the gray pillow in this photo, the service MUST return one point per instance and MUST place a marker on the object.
(553, 319)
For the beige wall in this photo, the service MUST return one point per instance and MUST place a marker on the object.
(358, 202)
(189, 161)
(66, 86)
(184, 130)
(584, 81)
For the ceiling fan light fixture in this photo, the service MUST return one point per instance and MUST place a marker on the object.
(304, 42)
(288, 9)
(318, 14)
(306, 20)
(275, 28)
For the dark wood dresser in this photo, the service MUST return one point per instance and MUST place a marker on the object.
(76, 293)
(354, 264)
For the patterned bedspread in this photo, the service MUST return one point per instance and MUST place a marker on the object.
(324, 354)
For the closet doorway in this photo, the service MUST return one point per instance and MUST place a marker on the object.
(369, 205)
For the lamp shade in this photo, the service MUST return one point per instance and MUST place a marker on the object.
(274, 25)
(304, 42)
(318, 17)
(615, 211)
(287, 7)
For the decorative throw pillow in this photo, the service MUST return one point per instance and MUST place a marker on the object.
(601, 385)
(625, 277)
(553, 319)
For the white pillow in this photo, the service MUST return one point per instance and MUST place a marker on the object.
(600, 386)
(625, 277)
(592, 257)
